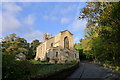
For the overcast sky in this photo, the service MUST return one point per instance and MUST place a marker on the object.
(31, 19)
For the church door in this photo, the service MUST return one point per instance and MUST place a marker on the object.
(66, 43)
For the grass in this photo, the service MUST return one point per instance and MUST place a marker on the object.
(44, 68)
(29, 69)
(37, 62)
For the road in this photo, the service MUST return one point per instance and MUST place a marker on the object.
(92, 71)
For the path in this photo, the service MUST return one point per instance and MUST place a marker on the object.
(93, 71)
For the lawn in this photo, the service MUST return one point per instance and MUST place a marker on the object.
(45, 69)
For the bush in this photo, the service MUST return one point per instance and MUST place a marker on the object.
(117, 68)
(13, 69)
(39, 62)
(16, 69)
(27, 69)
(7, 65)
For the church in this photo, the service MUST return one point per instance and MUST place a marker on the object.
(57, 49)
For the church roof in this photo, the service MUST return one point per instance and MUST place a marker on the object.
(65, 31)
(61, 32)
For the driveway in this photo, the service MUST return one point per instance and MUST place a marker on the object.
(92, 71)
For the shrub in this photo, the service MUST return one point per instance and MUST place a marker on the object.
(7, 65)
(13, 69)
(26, 68)
(117, 68)
(16, 69)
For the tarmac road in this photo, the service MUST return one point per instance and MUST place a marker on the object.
(92, 71)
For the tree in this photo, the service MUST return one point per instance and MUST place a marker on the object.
(32, 49)
(14, 45)
(103, 30)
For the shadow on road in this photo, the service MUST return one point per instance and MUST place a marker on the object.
(88, 70)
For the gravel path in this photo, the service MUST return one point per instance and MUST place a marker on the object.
(94, 72)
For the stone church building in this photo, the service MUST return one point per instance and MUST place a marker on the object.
(57, 49)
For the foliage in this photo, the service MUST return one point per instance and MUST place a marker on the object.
(32, 49)
(16, 69)
(39, 62)
(117, 68)
(102, 38)
(14, 45)
(27, 69)
(11, 46)
(78, 46)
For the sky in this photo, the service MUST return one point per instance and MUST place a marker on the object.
(30, 20)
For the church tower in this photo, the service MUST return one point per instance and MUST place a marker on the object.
(46, 36)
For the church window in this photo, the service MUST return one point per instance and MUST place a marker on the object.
(56, 54)
(75, 55)
(66, 43)
(38, 59)
(51, 44)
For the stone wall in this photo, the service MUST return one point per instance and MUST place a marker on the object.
(53, 45)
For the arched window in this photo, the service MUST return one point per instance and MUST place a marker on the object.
(38, 59)
(56, 54)
(66, 43)
(51, 44)
(75, 55)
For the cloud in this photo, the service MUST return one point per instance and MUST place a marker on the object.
(78, 25)
(50, 17)
(46, 17)
(76, 39)
(68, 9)
(0, 25)
(13, 21)
(11, 8)
(30, 19)
(9, 17)
(26, 4)
(60, 13)
(33, 34)
(64, 20)
(10, 22)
